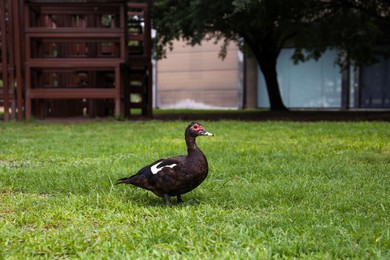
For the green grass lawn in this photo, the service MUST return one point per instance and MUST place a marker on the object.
(274, 190)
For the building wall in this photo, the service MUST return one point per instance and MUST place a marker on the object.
(318, 84)
(195, 77)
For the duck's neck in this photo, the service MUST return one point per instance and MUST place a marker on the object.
(191, 145)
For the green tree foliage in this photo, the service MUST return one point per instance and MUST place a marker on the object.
(264, 27)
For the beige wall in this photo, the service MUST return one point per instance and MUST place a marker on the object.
(196, 77)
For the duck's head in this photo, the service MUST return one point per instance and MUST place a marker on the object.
(195, 129)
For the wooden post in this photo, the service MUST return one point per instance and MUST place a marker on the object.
(4, 60)
(250, 82)
(17, 16)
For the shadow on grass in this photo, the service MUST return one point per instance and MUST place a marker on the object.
(147, 199)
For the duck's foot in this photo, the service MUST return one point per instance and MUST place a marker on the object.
(166, 200)
(179, 199)
(168, 203)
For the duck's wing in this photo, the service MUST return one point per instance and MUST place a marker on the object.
(158, 167)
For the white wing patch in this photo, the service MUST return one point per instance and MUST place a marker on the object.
(155, 169)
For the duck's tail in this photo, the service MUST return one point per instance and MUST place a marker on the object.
(124, 181)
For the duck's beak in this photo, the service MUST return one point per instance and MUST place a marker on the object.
(205, 133)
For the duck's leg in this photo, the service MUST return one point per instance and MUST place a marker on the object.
(179, 199)
(166, 200)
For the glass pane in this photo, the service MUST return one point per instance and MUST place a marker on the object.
(312, 84)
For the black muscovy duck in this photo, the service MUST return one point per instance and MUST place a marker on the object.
(176, 175)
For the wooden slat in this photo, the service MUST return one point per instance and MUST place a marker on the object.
(137, 5)
(136, 37)
(137, 105)
(74, 32)
(75, 8)
(74, 63)
(66, 93)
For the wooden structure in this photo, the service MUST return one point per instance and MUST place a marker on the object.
(7, 62)
(78, 58)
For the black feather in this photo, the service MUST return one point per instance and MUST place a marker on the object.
(176, 175)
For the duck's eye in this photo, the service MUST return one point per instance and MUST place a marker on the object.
(195, 127)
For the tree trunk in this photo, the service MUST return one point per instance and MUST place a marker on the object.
(266, 55)
(271, 81)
